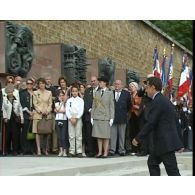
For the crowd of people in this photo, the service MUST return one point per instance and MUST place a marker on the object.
(94, 120)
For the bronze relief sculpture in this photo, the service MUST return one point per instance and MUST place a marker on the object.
(19, 49)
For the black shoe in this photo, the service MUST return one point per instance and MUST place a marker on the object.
(71, 155)
(98, 156)
(79, 155)
(141, 154)
(111, 154)
(122, 154)
(104, 156)
(90, 155)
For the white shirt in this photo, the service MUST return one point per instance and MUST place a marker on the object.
(155, 94)
(117, 93)
(74, 107)
(61, 107)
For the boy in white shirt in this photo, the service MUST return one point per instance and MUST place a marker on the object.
(74, 112)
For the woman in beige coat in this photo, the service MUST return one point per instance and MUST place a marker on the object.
(42, 100)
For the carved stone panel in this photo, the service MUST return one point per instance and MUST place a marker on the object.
(19, 49)
(74, 63)
(107, 68)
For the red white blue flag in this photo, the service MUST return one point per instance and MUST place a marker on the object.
(163, 71)
(170, 74)
(156, 65)
(184, 82)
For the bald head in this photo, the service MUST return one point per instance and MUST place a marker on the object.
(94, 81)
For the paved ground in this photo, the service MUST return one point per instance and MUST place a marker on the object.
(52, 165)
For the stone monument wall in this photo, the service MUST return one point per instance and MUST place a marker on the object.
(129, 43)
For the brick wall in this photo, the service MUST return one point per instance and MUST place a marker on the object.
(129, 43)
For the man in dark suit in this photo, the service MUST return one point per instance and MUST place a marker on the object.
(161, 121)
(91, 143)
(122, 107)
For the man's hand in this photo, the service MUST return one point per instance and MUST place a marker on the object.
(180, 150)
(111, 122)
(73, 121)
(134, 142)
(92, 121)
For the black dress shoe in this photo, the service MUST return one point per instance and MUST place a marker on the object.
(122, 154)
(90, 155)
(98, 156)
(111, 154)
(141, 154)
(79, 155)
(71, 155)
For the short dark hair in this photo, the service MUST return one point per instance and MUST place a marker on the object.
(156, 82)
(42, 80)
(60, 79)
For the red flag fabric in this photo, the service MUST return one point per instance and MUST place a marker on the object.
(156, 65)
(184, 82)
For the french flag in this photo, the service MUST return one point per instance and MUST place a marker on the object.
(163, 72)
(170, 74)
(184, 82)
(156, 65)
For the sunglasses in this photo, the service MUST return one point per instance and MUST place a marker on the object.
(29, 83)
(10, 82)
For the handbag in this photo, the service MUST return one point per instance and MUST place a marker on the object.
(30, 135)
(44, 126)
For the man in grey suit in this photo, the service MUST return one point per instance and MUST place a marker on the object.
(102, 116)
(122, 107)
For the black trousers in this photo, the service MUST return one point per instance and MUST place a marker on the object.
(27, 146)
(91, 142)
(12, 136)
(169, 161)
(63, 137)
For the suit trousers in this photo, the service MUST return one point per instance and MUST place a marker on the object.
(91, 142)
(169, 161)
(75, 137)
(117, 131)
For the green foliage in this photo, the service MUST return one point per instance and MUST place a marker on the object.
(180, 30)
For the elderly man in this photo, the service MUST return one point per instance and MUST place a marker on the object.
(91, 142)
(122, 106)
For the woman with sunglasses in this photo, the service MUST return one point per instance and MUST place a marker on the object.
(26, 98)
(10, 81)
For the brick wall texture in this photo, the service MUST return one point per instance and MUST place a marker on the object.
(129, 43)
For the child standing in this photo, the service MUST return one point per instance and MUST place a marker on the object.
(62, 124)
(74, 112)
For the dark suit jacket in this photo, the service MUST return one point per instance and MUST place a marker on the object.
(122, 107)
(88, 101)
(161, 120)
(25, 102)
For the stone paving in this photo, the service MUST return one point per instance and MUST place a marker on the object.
(53, 165)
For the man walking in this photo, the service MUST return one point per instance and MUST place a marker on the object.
(161, 120)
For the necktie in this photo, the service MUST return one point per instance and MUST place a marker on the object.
(102, 93)
(117, 96)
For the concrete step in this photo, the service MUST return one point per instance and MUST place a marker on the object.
(138, 171)
(52, 165)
